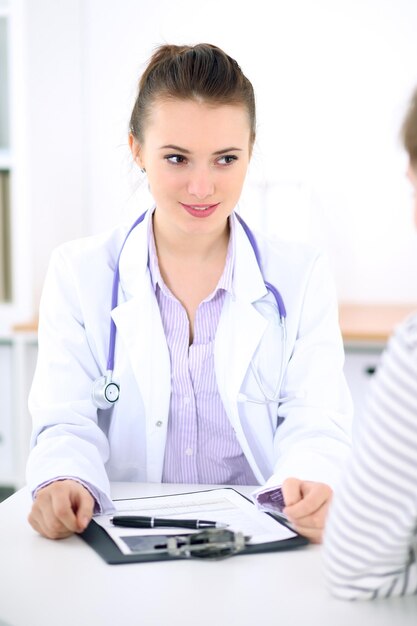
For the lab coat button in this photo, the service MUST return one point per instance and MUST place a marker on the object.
(158, 423)
(189, 451)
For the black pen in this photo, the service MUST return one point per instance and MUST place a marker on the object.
(139, 521)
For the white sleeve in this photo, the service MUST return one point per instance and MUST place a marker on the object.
(370, 545)
(66, 437)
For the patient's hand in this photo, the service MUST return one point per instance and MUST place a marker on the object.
(61, 508)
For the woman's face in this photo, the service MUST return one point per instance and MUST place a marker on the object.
(412, 177)
(196, 156)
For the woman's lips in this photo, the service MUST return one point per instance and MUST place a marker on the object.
(200, 210)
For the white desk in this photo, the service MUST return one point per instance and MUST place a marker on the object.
(65, 583)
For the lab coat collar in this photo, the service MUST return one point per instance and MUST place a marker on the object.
(248, 283)
(133, 262)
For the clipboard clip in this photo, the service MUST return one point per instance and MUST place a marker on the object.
(213, 543)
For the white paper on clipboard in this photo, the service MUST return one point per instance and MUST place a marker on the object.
(224, 505)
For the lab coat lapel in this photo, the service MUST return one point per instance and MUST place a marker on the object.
(241, 326)
(140, 331)
(140, 334)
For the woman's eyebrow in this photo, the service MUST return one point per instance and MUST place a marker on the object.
(177, 148)
(185, 151)
(232, 149)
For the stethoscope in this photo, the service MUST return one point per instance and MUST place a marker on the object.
(106, 392)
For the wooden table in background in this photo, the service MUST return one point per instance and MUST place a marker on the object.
(371, 322)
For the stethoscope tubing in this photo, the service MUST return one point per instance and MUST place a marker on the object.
(271, 288)
(114, 299)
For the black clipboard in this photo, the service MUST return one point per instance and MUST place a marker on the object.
(98, 539)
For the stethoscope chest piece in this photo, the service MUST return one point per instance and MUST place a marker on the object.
(105, 392)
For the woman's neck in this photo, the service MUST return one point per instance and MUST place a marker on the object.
(198, 247)
(190, 264)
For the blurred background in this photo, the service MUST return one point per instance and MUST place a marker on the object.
(332, 79)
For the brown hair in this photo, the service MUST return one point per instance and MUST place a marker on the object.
(201, 72)
(409, 130)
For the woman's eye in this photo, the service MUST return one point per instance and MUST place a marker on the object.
(227, 159)
(176, 159)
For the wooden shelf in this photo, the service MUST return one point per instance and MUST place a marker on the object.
(28, 327)
(371, 322)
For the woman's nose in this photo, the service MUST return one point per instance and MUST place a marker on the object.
(201, 184)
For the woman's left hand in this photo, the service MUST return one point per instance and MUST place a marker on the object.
(307, 504)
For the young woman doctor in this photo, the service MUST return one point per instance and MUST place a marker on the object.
(227, 352)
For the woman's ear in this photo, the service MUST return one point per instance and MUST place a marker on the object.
(251, 144)
(135, 150)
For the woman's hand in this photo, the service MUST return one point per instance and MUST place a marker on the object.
(306, 507)
(61, 508)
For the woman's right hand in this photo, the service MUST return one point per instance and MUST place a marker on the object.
(61, 508)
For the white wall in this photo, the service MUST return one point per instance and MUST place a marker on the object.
(332, 79)
(51, 148)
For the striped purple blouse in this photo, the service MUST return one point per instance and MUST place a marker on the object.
(201, 445)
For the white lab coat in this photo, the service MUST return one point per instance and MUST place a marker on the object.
(306, 434)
